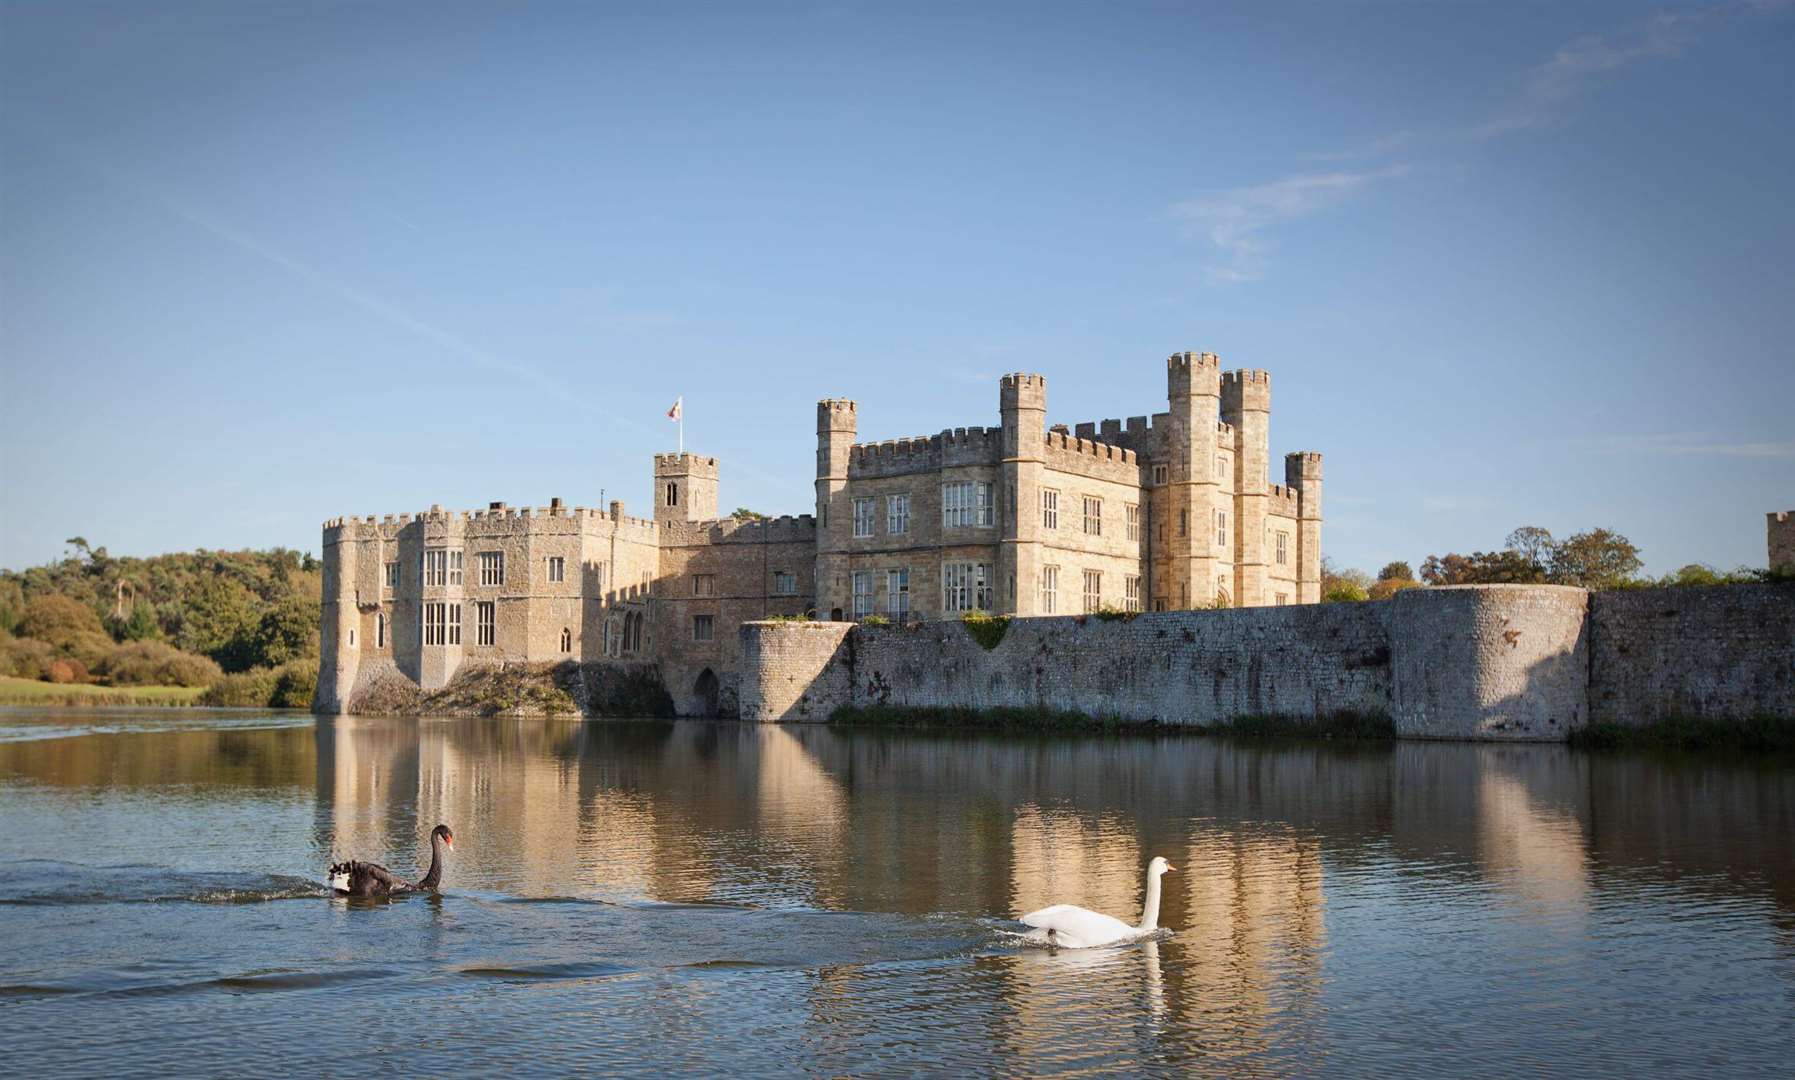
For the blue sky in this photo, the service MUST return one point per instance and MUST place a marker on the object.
(262, 265)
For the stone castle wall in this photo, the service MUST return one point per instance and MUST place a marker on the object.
(1502, 662)
(1781, 529)
(1726, 651)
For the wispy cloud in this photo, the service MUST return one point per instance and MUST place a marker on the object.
(1234, 221)
(1549, 87)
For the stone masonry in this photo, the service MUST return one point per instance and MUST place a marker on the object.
(1488, 662)
(1162, 513)
(1782, 541)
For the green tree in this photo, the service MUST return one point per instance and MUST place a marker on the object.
(221, 621)
(743, 512)
(1533, 544)
(141, 625)
(1339, 584)
(1597, 559)
(288, 631)
(1396, 571)
(57, 619)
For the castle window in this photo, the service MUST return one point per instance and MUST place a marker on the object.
(492, 568)
(1283, 548)
(1162, 473)
(566, 640)
(1132, 511)
(863, 517)
(1009, 508)
(1050, 589)
(703, 627)
(1131, 593)
(1093, 516)
(436, 566)
(965, 587)
(442, 623)
(897, 592)
(1221, 591)
(1050, 508)
(557, 570)
(1093, 590)
(1159, 603)
(966, 504)
(1221, 466)
(672, 494)
(1283, 598)
(785, 583)
(380, 629)
(1221, 528)
(392, 575)
(351, 637)
(1183, 522)
(897, 514)
(485, 622)
(454, 567)
(635, 633)
(704, 584)
(863, 594)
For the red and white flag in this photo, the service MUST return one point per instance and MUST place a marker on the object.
(679, 408)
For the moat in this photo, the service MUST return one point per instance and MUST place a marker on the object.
(656, 897)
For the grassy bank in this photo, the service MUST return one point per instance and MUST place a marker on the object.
(15, 691)
(1049, 721)
(1758, 734)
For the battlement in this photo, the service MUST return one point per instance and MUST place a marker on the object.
(1301, 467)
(1190, 374)
(835, 414)
(1246, 390)
(1061, 441)
(785, 529)
(683, 464)
(1021, 390)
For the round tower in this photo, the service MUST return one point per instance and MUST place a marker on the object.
(835, 429)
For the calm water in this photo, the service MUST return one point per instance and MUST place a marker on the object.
(693, 898)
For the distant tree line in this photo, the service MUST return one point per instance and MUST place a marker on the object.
(1594, 559)
(221, 619)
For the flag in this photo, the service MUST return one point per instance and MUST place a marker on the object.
(678, 409)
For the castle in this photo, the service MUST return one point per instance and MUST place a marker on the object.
(1169, 512)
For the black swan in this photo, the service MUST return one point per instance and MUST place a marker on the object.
(371, 879)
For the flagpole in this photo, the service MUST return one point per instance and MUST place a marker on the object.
(682, 431)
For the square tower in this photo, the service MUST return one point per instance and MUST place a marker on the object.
(685, 488)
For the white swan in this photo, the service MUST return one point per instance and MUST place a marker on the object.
(1071, 927)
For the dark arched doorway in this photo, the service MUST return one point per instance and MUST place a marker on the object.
(705, 689)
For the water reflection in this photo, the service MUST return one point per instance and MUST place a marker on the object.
(1320, 890)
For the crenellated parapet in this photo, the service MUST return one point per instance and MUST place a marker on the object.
(1085, 457)
(926, 453)
(785, 529)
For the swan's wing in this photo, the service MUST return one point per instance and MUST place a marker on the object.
(364, 879)
(1078, 926)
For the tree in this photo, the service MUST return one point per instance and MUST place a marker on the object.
(743, 513)
(1597, 559)
(289, 631)
(1482, 568)
(141, 625)
(1533, 544)
(1396, 571)
(220, 621)
(57, 619)
(1342, 584)
(1384, 588)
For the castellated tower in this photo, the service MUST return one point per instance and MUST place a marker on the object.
(1302, 471)
(1781, 526)
(1191, 565)
(1022, 409)
(685, 488)
(1246, 407)
(835, 430)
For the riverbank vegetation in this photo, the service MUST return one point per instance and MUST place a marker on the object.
(232, 627)
(1757, 734)
(1598, 559)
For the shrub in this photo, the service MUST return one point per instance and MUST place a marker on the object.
(294, 683)
(88, 648)
(155, 663)
(26, 658)
(57, 619)
(875, 620)
(67, 671)
(1111, 613)
(243, 689)
(1384, 588)
(986, 629)
(1343, 592)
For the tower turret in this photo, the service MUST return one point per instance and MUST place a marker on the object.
(1246, 408)
(836, 424)
(685, 488)
(1302, 471)
(1186, 495)
(1022, 409)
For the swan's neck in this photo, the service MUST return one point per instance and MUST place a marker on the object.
(436, 864)
(1150, 911)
